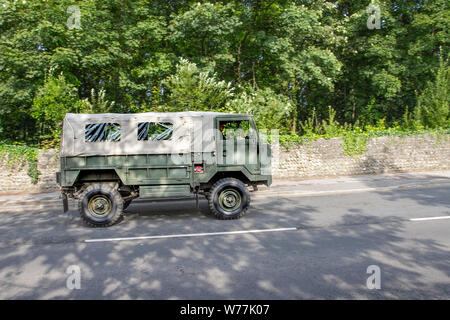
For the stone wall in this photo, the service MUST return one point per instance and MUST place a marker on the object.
(388, 154)
(312, 159)
(17, 180)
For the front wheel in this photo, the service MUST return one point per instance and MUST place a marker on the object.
(229, 199)
(100, 206)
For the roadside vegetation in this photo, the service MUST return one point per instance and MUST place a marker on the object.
(310, 69)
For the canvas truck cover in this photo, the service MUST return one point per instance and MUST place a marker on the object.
(189, 132)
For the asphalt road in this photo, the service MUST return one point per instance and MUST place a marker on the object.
(327, 242)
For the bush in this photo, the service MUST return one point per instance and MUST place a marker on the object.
(433, 109)
(270, 110)
(57, 97)
(16, 156)
(53, 100)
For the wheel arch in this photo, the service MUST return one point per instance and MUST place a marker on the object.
(98, 176)
(227, 174)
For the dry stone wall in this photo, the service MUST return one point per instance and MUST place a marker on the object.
(318, 158)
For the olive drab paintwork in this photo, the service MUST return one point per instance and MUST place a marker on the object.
(184, 152)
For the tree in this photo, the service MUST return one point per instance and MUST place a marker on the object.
(433, 110)
(192, 89)
(53, 100)
(270, 110)
(310, 54)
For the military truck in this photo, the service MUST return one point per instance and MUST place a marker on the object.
(108, 160)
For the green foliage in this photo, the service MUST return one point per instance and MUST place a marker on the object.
(56, 98)
(331, 127)
(203, 33)
(53, 100)
(310, 126)
(192, 89)
(354, 138)
(410, 121)
(96, 104)
(354, 144)
(270, 110)
(433, 109)
(286, 62)
(15, 157)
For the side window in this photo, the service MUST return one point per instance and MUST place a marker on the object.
(154, 131)
(98, 132)
(235, 129)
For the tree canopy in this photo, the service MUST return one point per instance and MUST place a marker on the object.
(281, 60)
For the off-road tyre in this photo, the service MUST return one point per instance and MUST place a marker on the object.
(101, 205)
(228, 199)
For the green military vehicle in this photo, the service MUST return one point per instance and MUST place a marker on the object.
(107, 160)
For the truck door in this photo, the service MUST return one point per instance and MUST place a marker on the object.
(237, 143)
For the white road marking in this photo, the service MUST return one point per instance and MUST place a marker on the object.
(273, 193)
(431, 218)
(191, 235)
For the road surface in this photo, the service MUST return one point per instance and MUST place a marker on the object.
(312, 239)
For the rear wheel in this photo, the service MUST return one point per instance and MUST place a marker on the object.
(229, 199)
(101, 206)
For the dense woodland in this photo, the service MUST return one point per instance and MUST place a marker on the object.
(303, 67)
